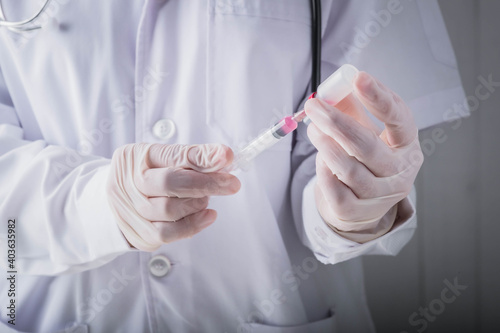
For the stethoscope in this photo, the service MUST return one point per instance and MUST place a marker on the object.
(315, 5)
(21, 26)
(315, 44)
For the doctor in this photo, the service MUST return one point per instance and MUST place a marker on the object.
(116, 119)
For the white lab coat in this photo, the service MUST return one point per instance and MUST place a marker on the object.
(101, 74)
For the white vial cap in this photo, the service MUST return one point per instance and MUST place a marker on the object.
(338, 85)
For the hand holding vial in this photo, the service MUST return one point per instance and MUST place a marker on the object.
(362, 172)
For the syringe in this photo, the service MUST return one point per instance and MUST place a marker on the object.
(334, 89)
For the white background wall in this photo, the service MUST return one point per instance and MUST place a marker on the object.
(458, 202)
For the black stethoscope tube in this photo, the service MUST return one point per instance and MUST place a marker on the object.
(315, 44)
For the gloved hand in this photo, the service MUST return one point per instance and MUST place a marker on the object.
(159, 193)
(362, 174)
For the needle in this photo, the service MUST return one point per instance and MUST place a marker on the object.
(301, 116)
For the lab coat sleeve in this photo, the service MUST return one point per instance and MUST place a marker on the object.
(418, 63)
(56, 197)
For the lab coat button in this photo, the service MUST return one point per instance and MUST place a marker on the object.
(164, 129)
(159, 266)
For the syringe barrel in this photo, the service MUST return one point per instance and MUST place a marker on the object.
(254, 148)
(338, 85)
(264, 141)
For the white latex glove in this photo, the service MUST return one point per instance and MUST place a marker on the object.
(363, 174)
(159, 193)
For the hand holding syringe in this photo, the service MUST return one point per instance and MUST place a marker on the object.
(334, 89)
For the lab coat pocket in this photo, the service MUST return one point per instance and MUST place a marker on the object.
(321, 326)
(254, 48)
